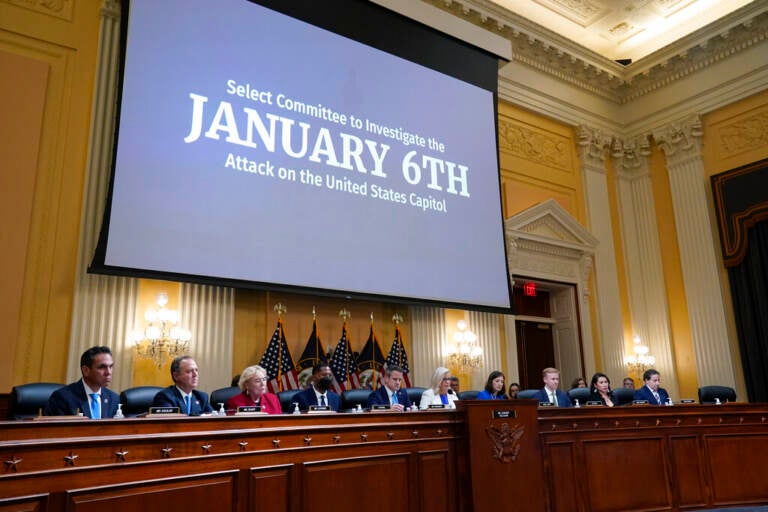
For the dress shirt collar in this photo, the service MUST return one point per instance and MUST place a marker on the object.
(89, 391)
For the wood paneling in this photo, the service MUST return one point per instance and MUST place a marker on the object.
(688, 466)
(436, 481)
(271, 489)
(24, 504)
(744, 480)
(204, 492)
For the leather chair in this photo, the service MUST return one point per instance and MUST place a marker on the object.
(138, 400)
(414, 394)
(580, 394)
(27, 400)
(527, 393)
(286, 399)
(468, 395)
(707, 394)
(221, 395)
(623, 396)
(352, 397)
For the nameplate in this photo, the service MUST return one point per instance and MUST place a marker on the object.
(639, 402)
(381, 407)
(164, 410)
(546, 404)
(506, 414)
(314, 409)
(437, 406)
(591, 403)
(249, 409)
(687, 401)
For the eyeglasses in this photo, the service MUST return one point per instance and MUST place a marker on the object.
(446, 379)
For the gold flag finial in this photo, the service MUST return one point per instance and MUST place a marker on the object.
(397, 319)
(280, 309)
(345, 314)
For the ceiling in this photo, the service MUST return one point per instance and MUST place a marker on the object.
(622, 29)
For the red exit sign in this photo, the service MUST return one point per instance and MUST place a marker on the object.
(529, 289)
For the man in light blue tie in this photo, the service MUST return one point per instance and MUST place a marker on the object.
(391, 393)
(89, 396)
(182, 393)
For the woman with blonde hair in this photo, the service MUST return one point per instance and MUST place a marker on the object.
(253, 383)
(437, 393)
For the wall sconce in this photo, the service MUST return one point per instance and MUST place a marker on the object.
(162, 338)
(464, 354)
(641, 360)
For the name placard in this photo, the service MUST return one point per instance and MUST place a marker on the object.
(687, 401)
(313, 409)
(505, 414)
(639, 402)
(592, 403)
(546, 404)
(244, 410)
(381, 407)
(164, 410)
(437, 406)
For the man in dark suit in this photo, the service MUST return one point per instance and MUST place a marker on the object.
(319, 391)
(651, 392)
(183, 394)
(390, 393)
(551, 392)
(88, 395)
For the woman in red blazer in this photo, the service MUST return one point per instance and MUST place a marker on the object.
(253, 382)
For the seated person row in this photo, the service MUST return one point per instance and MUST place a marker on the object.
(494, 387)
(391, 393)
(88, 396)
(253, 384)
(319, 393)
(439, 392)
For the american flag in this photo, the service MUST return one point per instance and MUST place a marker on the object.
(342, 363)
(282, 377)
(397, 356)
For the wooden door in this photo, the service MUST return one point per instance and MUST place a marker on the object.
(535, 351)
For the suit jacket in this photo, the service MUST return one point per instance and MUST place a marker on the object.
(171, 397)
(595, 396)
(563, 400)
(645, 394)
(269, 403)
(380, 397)
(69, 399)
(429, 397)
(307, 397)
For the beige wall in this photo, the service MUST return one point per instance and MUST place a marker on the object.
(46, 78)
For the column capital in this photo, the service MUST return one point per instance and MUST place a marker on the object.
(631, 156)
(591, 144)
(681, 139)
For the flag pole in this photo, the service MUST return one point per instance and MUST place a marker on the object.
(375, 377)
(396, 319)
(280, 308)
(345, 314)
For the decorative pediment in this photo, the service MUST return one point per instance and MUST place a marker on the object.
(547, 242)
(550, 221)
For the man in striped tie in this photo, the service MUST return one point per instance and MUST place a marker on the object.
(390, 393)
(182, 393)
(88, 396)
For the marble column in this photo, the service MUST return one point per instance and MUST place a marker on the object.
(642, 255)
(681, 143)
(592, 144)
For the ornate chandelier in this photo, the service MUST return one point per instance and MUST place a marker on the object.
(162, 338)
(464, 354)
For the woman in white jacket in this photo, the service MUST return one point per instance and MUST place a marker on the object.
(438, 393)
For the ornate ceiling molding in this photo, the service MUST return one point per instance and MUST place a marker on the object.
(547, 52)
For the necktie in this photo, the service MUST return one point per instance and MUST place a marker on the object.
(554, 398)
(394, 398)
(656, 396)
(187, 403)
(95, 406)
(322, 400)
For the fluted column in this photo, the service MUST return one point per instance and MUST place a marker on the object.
(681, 143)
(103, 306)
(428, 345)
(642, 255)
(592, 145)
